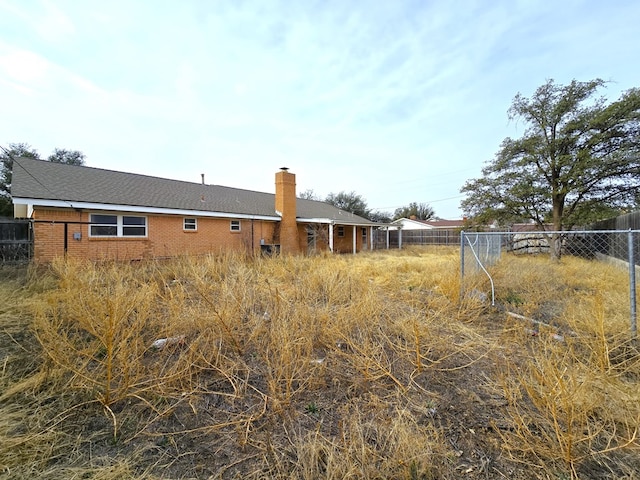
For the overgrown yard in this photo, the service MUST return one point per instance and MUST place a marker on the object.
(335, 367)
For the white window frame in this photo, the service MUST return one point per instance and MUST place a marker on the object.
(235, 226)
(120, 225)
(190, 224)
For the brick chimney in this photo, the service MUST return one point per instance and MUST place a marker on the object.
(286, 208)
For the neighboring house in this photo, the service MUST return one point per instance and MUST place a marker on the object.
(103, 214)
(411, 231)
(413, 223)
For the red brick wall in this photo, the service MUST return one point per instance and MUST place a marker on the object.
(165, 237)
(345, 244)
(340, 244)
(322, 238)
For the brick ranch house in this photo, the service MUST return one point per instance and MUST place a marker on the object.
(101, 214)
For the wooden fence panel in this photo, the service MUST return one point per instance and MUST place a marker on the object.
(16, 241)
(618, 245)
(415, 237)
(629, 221)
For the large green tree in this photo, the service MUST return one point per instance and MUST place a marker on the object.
(15, 150)
(577, 161)
(422, 211)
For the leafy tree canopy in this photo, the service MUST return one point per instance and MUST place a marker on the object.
(577, 162)
(309, 194)
(420, 211)
(15, 150)
(349, 202)
(379, 216)
(71, 157)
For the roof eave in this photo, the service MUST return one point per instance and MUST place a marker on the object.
(339, 222)
(138, 209)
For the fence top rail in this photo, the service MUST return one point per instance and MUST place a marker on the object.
(547, 232)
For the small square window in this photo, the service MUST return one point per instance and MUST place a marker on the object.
(341, 231)
(235, 225)
(190, 224)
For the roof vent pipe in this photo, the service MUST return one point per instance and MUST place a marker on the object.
(202, 175)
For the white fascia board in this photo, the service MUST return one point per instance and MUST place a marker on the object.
(357, 224)
(417, 227)
(313, 220)
(135, 209)
(336, 222)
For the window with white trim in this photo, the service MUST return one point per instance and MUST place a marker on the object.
(110, 225)
(190, 224)
(235, 225)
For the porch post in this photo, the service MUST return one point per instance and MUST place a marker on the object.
(371, 238)
(387, 238)
(331, 237)
(355, 238)
(399, 238)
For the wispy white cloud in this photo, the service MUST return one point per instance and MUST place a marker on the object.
(384, 98)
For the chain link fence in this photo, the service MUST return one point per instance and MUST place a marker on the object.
(479, 251)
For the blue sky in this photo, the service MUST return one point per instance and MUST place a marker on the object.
(399, 101)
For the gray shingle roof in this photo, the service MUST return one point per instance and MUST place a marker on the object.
(38, 179)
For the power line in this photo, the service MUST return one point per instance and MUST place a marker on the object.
(437, 175)
(54, 194)
(428, 201)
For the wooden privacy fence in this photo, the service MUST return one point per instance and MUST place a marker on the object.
(415, 237)
(629, 221)
(16, 241)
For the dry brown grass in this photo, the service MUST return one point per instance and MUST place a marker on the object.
(367, 366)
(573, 404)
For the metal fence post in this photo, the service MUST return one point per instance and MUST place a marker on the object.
(632, 286)
(461, 264)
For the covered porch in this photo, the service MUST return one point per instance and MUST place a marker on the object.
(339, 237)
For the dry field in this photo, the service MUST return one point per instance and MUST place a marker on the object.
(329, 367)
